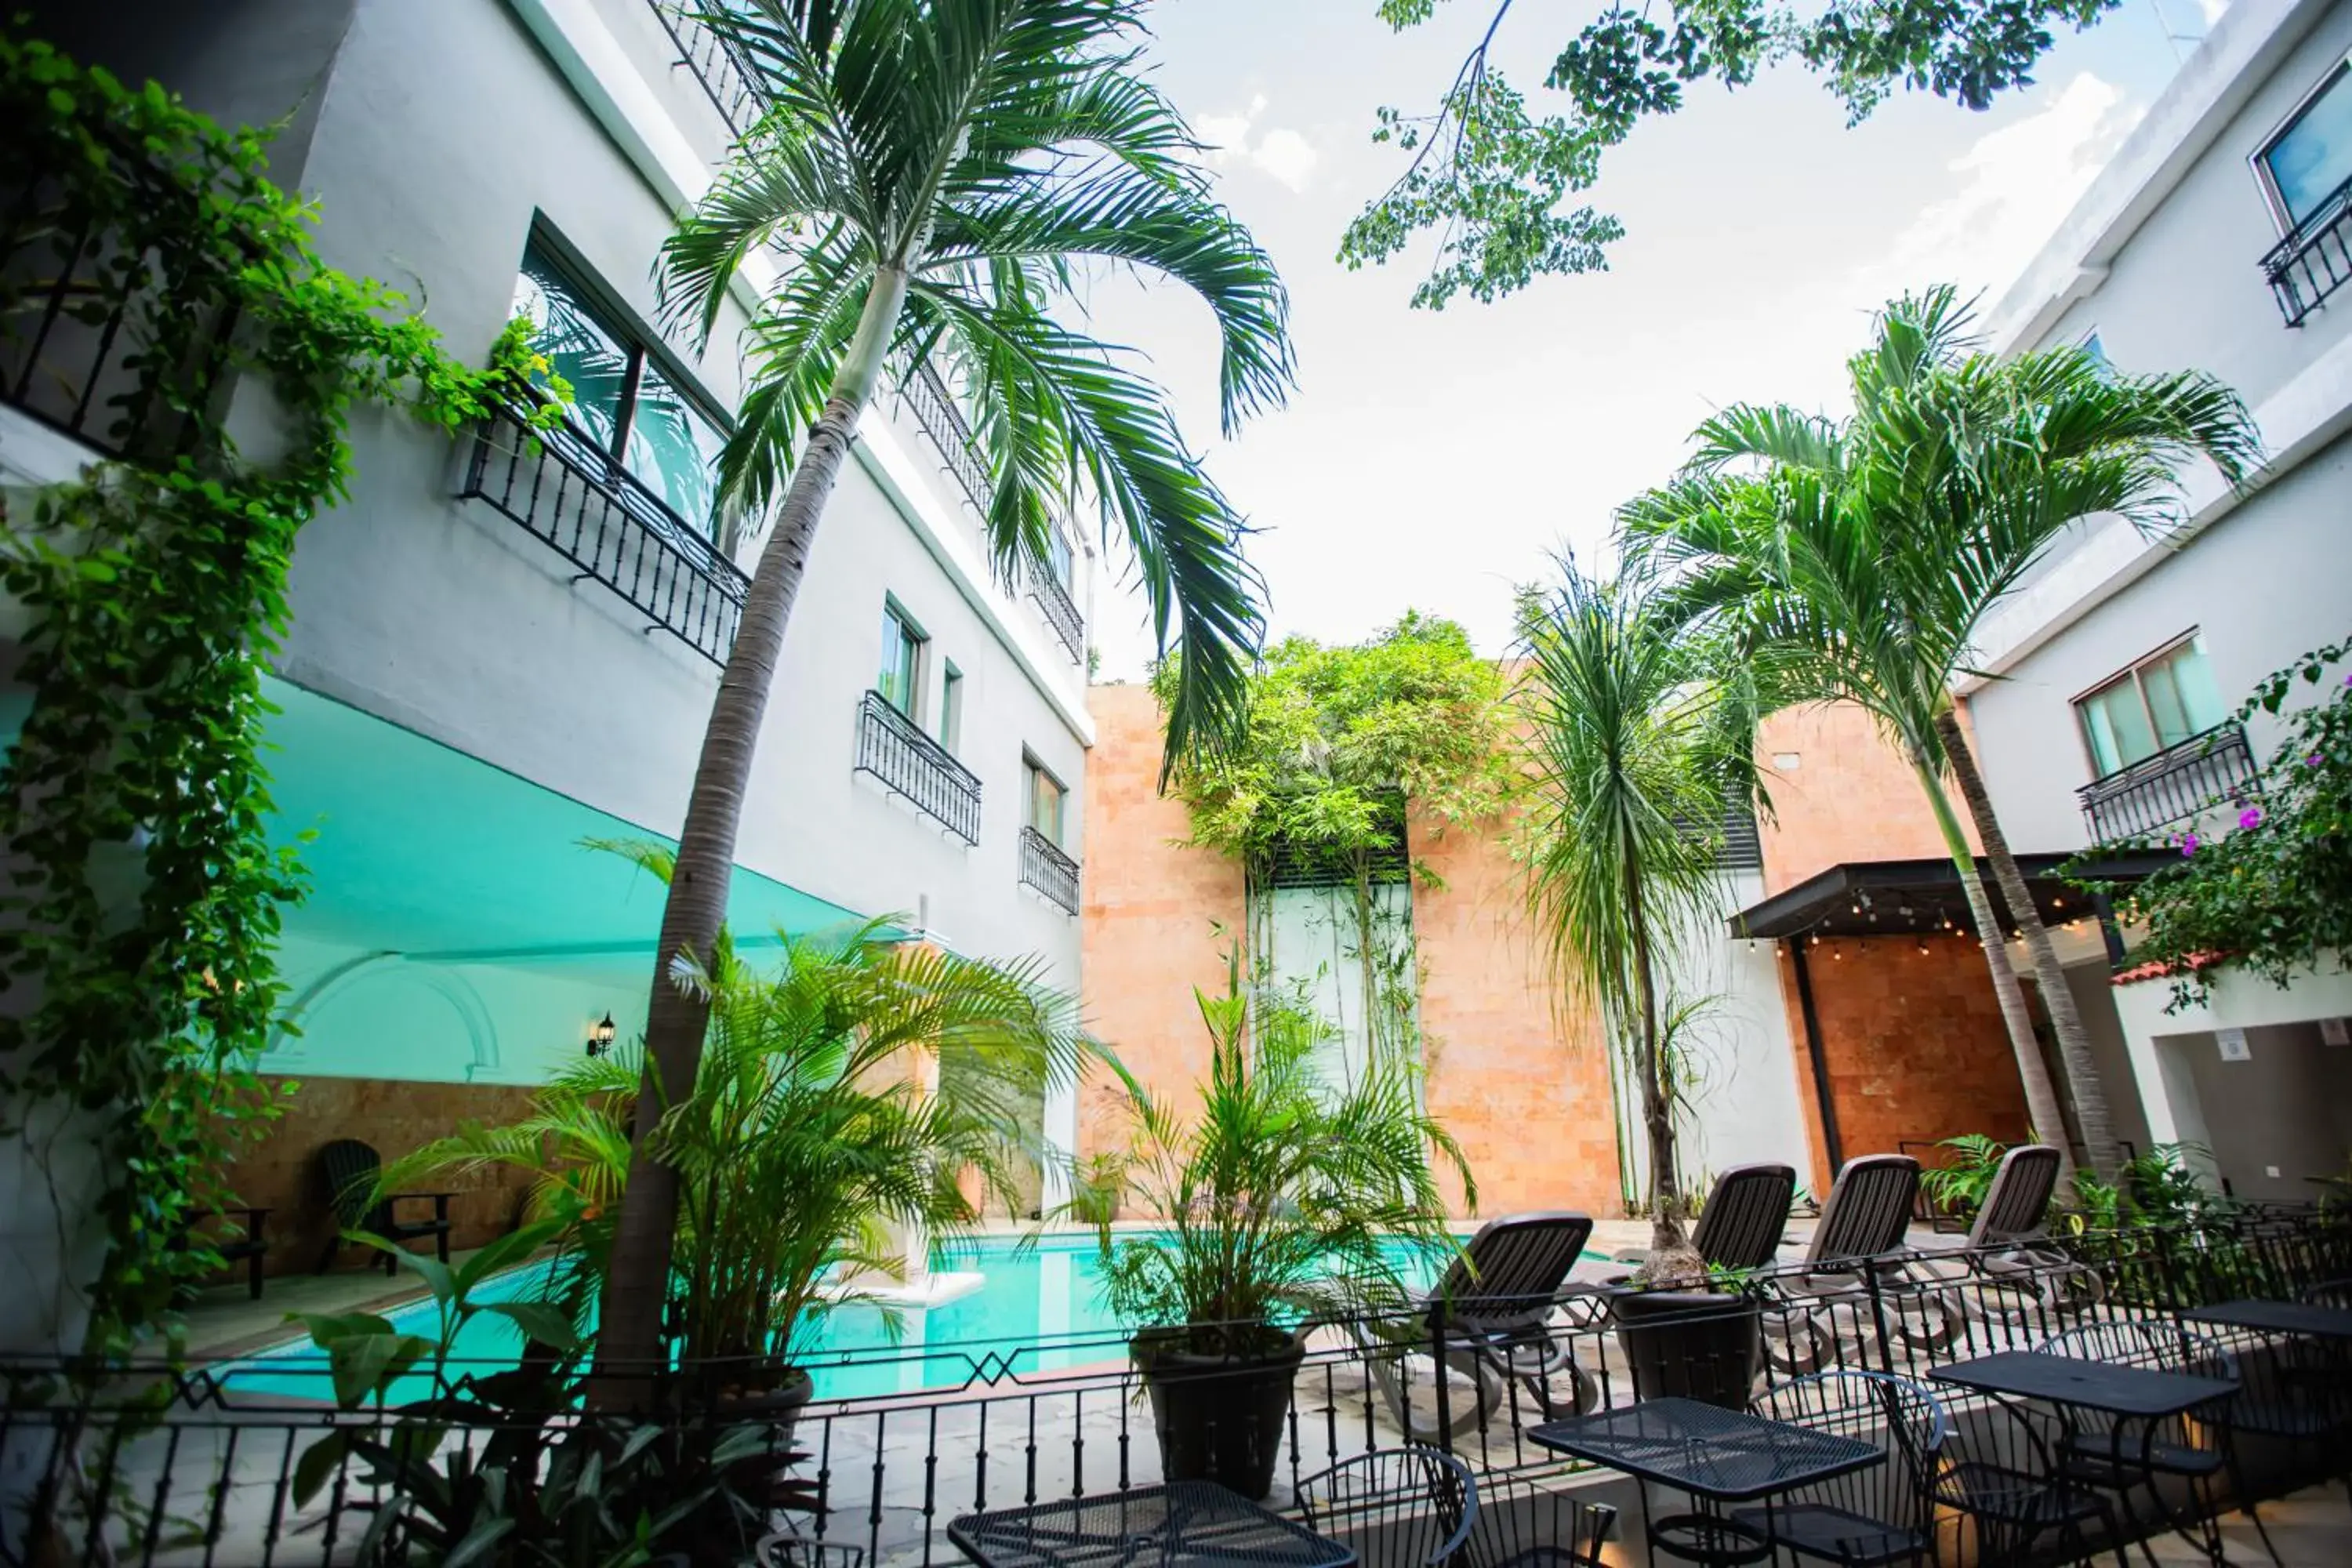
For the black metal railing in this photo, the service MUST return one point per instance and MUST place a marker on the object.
(572, 495)
(1046, 868)
(249, 1463)
(2183, 781)
(934, 408)
(910, 764)
(1061, 610)
(726, 79)
(2315, 259)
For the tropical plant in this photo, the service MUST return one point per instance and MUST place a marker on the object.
(934, 172)
(1858, 558)
(1339, 741)
(1492, 178)
(2271, 894)
(1284, 1196)
(1637, 742)
(811, 1133)
(1959, 1185)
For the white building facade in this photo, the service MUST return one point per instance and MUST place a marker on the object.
(2217, 240)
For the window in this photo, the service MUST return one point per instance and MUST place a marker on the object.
(1046, 800)
(623, 402)
(900, 679)
(2158, 702)
(2310, 155)
(1058, 555)
(950, 706)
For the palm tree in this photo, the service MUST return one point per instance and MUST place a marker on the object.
(932, 170)
(1859, 557)
(1634, 750)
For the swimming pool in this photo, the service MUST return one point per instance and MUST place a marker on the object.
(1039, 1309)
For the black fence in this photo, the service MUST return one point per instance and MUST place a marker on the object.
(2212, 768)
(1061, 611)
(1046, 868)
(150, 1466)
(731, 82)
(574, 497)
(917, 768)
(2314, 260)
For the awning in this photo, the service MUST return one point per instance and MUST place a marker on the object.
(1898, 898)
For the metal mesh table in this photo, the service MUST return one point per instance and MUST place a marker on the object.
(1171, 1526)
(2142, 1394)
(2278, 1317)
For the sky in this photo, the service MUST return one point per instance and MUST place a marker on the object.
(1433, 459)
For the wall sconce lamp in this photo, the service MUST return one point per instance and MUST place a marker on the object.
(600, 1036)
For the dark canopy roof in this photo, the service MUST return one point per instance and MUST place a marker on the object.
(1892, 898)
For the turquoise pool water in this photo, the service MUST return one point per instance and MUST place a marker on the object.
(1040, 1309)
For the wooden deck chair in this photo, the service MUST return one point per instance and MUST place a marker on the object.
(348, 1172)
(1493, 1311)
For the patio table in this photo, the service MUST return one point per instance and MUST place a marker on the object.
(2128, 1393)
(2308, 1317)
(1170, 1526)
(1716, 1456)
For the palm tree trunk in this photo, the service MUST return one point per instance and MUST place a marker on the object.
(1657, 1114)
(637, 1275)
(2041, 1111)
(2083, 1084)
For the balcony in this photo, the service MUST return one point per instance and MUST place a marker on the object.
(1061, 611)
(570, 494)
(2314, 260)
(2176, 785)
(1044, 868)
(726, 78)
(919, 770)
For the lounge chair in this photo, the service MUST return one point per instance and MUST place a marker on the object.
(350, 1171)
(1493, 1311)
(1747, 1211)
(2009, 1248)
(1859, 1240)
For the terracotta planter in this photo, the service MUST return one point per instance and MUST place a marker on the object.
(1218, 1417)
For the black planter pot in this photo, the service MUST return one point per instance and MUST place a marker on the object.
(1218, 1417)
(1694, 1344)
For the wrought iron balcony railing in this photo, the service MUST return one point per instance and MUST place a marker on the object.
(1044, 868)
(729, 81)
(2177, 783)
(1061, 610)
(593, 512)
(918, 769)
(2314, 260)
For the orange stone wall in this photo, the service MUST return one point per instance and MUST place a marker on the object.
(1851, 796)
(395, 1116)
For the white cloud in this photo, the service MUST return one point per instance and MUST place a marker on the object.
(2012, 188)
(1280, 153)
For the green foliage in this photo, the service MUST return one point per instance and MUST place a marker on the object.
(975, 158)
(1492, 179)
(808, 1132)
(498, 1467)
(1959, 1185)
(2271, 892)
(1284, 1198)
(146, 897)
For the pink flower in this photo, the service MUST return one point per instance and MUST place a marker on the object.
(2189, 844)
(2251, 816)
(2311, 761)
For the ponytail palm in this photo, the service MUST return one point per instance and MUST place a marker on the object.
(932, 175)
(1858, 558)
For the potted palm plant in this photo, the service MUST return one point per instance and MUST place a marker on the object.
(1285, 1198)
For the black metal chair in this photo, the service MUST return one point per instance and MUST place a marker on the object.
(350, 1171)
(1522, 1523)
(2294, 1392)
(2117, 1456)
(1398, 1507)
(1870, 1517)
(2001, 1473)
(784, 1549)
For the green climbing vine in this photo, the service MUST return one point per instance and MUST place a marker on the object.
(144, 894)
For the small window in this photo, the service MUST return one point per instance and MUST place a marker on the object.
(2156, 704)
(900, 680)
(1059, 556)
(1047, 801)
(623, 403)
(2310, 155)
(951, 706)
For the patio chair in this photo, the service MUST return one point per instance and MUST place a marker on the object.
(1398, 1507)
(2115, 1455)
(1859, 1243)
(1493, 1311)
(1872, 1517)
(2294, 1392)
(785, 1550)
(2019, 1271)
(1522, 1523)
(1741, 1223)
(349, 1169)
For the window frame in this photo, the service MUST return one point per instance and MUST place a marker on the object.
(2134, 672)
(917, 642)
(1032, 771)
(2258, 161)
(644, 347)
